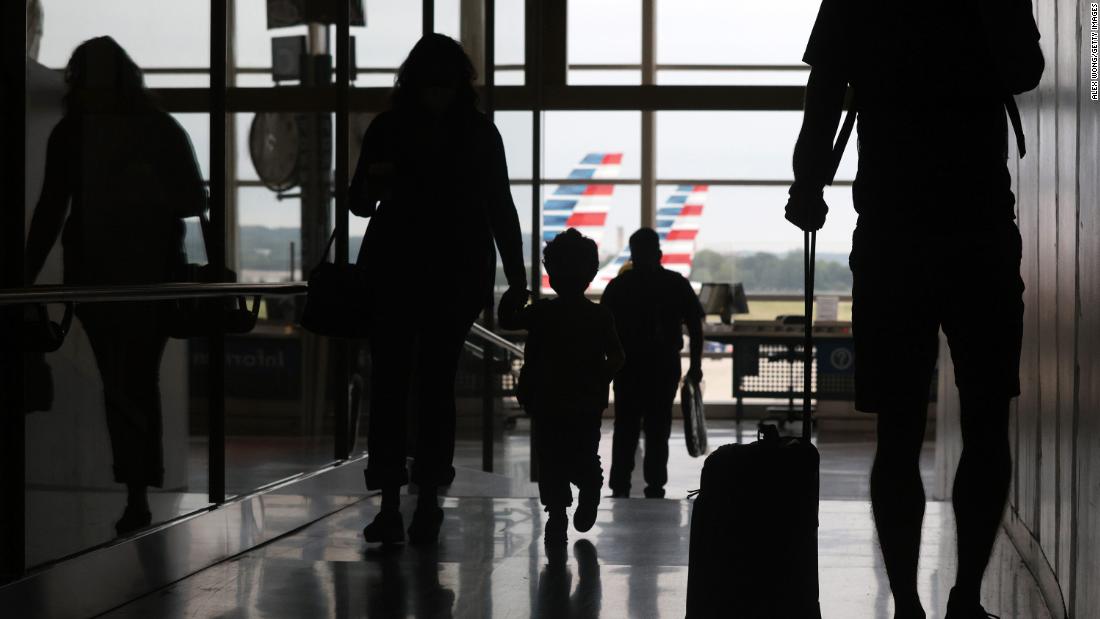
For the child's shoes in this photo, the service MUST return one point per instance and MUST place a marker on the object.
(587, 502)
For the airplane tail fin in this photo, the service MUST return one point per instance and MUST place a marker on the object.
(677, 227)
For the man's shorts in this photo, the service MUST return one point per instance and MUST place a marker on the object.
(907, 283)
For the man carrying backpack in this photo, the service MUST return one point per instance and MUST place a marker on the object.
(651, 306)
(935, 246)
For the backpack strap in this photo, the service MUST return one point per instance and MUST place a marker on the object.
(1017, 127)
(842, 141)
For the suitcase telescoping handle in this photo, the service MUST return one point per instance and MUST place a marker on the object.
(810, 242)
(809, 262)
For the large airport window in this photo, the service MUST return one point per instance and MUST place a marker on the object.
(570, 136)
(197, 128)
(284, 168)
(510, 42)
(732, 145)
(739, 175)
(605, 213)
(521, 195)
(743, 237)
(269, 243)
(604, 42)
(723, 43)
(169, 39)
(515, 132)
(581, 149)
(393, 27)
(253, 43)
(509, 39)
(448, 18)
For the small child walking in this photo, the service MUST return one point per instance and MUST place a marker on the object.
(572, 353)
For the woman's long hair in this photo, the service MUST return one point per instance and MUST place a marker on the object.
(102, 76)
(435, 60)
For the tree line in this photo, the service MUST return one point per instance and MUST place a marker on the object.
(264, 248)
(763, 272)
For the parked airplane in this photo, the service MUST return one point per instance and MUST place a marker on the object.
(582, 206)
(585, 207)
(677, 227)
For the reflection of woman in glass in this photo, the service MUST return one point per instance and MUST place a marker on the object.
(435, 168)
(120, 177)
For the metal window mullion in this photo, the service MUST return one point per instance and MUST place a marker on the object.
(532, 78)
(340, 349)
(427, 19)
(541, 41)
(216, 366)
(12, 222)
(232, 243)
(429, 23)
(648, 203)
(593, 98)
(488, 395)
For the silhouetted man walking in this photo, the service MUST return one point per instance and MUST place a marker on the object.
(651, 305)
(935, 246)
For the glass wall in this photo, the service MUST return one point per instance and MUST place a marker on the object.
(115, 196)
(576, 157)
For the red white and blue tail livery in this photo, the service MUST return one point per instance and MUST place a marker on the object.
(581, 206)
(677, 227)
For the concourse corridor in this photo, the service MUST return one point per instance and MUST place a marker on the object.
(490, 562)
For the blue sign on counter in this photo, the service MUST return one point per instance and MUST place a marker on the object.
(835, 357)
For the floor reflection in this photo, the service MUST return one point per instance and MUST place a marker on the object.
(405, 582)
(556, 597)
(491, 562)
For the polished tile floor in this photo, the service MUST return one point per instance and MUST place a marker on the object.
(490, 562)
(65, 520)
(845, 458)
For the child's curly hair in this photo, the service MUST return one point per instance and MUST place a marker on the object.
(572, 261)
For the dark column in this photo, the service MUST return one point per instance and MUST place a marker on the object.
(427, 17)
(340, 429)
(12, 222)
(488, 396)
(533, 79)
(216, 247)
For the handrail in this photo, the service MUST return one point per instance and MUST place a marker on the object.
(503, 67)
(142, 292)
(795, 296)
(496, 340)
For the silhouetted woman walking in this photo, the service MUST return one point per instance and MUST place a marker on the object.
(432, 177)
(120, 178)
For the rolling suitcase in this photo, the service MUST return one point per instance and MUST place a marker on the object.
(753, 549)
